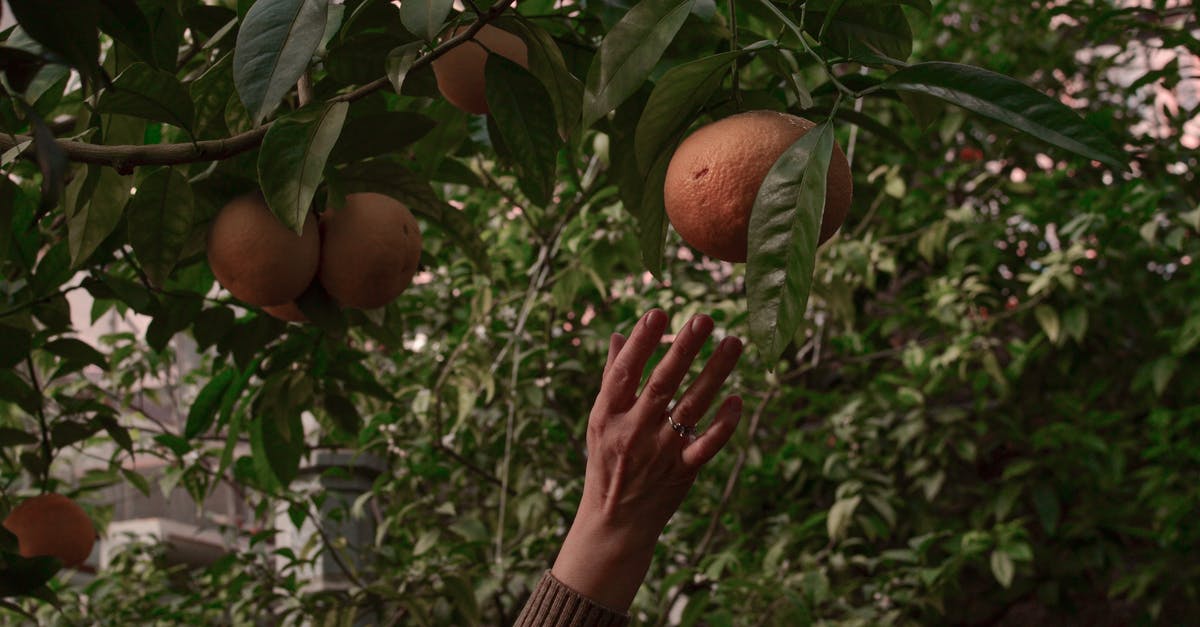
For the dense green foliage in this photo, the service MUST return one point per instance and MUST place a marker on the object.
(984, 413)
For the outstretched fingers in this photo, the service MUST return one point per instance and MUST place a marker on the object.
(618, 390)
(695, 402)
(664, 382)
(716, 435)
(615, 343)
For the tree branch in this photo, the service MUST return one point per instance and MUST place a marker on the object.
(126, 157)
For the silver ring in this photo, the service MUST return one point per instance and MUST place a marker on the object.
(683, 430)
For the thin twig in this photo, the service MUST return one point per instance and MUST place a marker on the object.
(47, 451)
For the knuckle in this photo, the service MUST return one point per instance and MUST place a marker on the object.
(659, 390)
(620, 377)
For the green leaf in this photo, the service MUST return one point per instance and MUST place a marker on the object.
(392, 179)
(21, 576)
(864, 32)
(210, 94)
(1011, 102)
(124, 21)
(68, 28)
(652, 214)
(77, 351)
(160, 222)
(823, 6)
(16, 437)
(137, 479)
(424, 18)
(1003, 568)
(676, 100)
(1047, 317)
(277, 435)
(145, 92)
(64, 433)
(274, 45)
(377, 134)
(15, 390)
(547, 64)
(204, 409)
(319, 307)
(399, 61)
(15, 344)
(840, 516)
(292, 159)
(118, 433)
(1161, 373)
(345, 416)
(784, 227)
(629, 53)
(94, 222)
(525, 117)
(1045, 502)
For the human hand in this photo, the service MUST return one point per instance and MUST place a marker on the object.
(639, 468)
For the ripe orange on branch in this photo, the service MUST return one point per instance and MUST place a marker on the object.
(257, 258)
(714, 176)
(459, 72)
(370, 249)
(52, 525)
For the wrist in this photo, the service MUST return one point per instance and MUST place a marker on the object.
(604, 559)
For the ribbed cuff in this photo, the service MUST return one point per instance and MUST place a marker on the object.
(554, 604)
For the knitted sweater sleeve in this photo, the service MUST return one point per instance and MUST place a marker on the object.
(553, 604)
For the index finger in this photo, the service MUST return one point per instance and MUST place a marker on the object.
(618, 390)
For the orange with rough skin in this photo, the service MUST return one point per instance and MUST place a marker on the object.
(460, 72)
(288, 312)
(714, 176)
(52, 525)
(369, 250)
(257, 258)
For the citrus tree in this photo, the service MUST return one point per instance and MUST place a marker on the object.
(970, 405)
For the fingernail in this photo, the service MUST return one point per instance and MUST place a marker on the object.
(655, 319)
(732, 344)
(702, 324)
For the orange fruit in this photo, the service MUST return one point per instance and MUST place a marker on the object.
(288, 312)
(714, 176)
(257, 258)
(52, 525)
(459, 72)
(369, 250)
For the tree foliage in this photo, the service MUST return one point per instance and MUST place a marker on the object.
(974, 405)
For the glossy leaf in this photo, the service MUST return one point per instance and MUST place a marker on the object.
(1011, 102)
(77, 351)
(15, 345)
(399, 61)
(676, 100)
(424, 18)
(274, 45)
(546, 62)
(145, 92)
(96, 220)
(377, 134)
(652, 214)
(160, 219)
(865, 32)
(525, 118)
(68, 28)
(629, 53)
(784, 227)
(292, 159)
(208, 402)
(124, 21)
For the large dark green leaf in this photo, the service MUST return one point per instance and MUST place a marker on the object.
(864, 32)
(20, 576)
(160, 221)
(64, 433)
(16, 437)
(274, 45)
(424, 18)
(124, 21)
(292, 159)
(629, 53)
(145, 92)
(377, 134)
(525, 116)
(676, 100)
(15, 344)
(390, 178)
(204, 409)
(547, 64)
(277, 435)
(95, 220)
(652, 214)
(1011, 102)
(210, 94)
(68, 28)
(77, 351)
(784, 227)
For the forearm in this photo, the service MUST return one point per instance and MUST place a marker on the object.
(604, 564)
